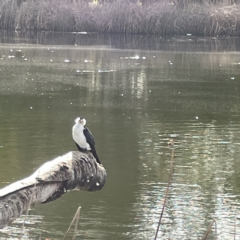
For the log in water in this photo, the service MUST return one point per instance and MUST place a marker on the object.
(72, 171)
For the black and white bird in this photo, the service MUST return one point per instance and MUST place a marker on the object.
(83, 137)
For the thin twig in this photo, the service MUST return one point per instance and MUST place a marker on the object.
(167, 190)
(75, 218)
(210, 228)
(76, 225)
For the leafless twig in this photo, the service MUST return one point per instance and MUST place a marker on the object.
(76, 220)
(171, 143)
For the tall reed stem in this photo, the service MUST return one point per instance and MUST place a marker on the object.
(76, 220)
(167, 190)
(210, 228)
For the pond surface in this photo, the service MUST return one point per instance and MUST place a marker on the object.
(137, 93)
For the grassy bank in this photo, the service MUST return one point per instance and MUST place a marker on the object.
(122, 17)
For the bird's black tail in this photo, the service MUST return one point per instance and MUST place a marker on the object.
(96, 156)
(93, 152)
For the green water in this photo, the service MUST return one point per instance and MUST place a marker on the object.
(136, 95)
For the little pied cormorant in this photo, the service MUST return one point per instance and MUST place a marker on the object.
(83, 137)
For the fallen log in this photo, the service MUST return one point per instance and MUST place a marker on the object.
(72, 171)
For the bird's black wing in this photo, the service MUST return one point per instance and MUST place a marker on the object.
(91, 142)
(89, 137)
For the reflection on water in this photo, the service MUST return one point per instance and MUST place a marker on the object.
(122, 41)
(134, 101)
(206, 160)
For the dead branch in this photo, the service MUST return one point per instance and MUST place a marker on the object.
(72, 171)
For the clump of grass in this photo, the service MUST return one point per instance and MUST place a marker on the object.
(163, 17)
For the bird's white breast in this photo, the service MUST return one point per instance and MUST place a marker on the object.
(79, 137)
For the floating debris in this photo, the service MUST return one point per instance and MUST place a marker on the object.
(11, 56)
(103, 71)
(224, 142)
(232, 78)
(67, 61)
(174, 135)
(84, 71)
(134, 58)
(87, 71)
(88, 61)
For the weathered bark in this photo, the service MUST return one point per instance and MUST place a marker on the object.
(72, 171)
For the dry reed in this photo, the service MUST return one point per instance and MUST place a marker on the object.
(162, 17)
(74, 220)
(171, 144)
(210, 228)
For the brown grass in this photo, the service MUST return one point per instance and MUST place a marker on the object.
(164, 17)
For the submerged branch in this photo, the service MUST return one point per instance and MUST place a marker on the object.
(72, 171)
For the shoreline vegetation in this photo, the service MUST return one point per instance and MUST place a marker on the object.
(164, 17)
